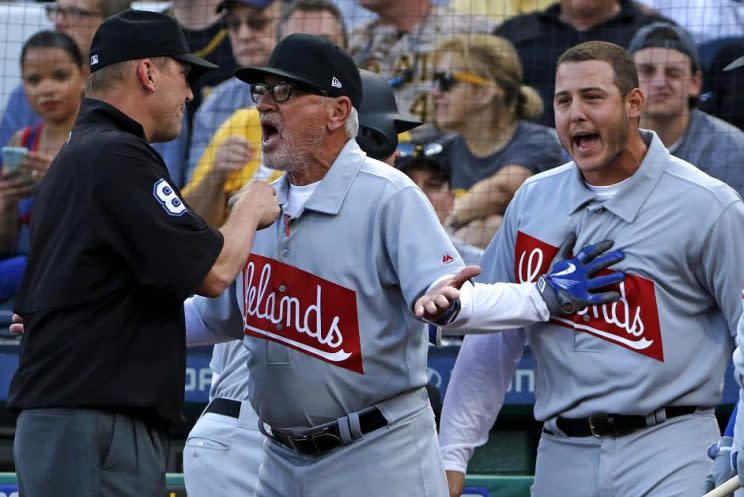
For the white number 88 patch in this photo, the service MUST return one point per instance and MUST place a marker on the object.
(166, 196)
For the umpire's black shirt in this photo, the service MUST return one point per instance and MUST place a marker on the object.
(114, 252)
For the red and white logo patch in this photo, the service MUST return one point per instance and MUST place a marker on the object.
(446, 259)
(632, 322)
(302, 311)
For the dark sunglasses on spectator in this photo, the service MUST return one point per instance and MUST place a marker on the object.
(280, 91)
(254, 23)
(52, 10)
(417, 150)
(446, 80)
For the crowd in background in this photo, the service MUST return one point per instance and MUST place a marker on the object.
(479, 73)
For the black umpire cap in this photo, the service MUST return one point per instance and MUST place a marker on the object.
(314, 62)
(139, 34)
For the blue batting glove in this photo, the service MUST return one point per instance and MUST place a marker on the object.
(571, 284)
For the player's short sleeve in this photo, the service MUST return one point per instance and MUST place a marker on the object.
(416, 244)
(145, 221)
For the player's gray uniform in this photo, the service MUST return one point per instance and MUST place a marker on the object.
(666, 343)
(223, 454)
(406, 58)
(327, 299)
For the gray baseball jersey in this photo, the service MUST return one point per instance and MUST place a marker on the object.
(668, 340)
(406, 58)
(327, 295)
(681, 233)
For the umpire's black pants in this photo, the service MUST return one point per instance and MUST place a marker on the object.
(88, 453)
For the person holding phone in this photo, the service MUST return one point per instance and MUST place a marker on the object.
(53, 80)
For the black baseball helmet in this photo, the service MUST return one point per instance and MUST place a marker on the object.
(379, 119)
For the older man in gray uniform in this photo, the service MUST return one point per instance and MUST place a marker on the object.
(328, 299)
(626, 390)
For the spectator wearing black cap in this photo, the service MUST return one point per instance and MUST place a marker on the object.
(114, 251)
(670, 76)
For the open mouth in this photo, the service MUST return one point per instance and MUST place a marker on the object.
(269, 132)
(583, 142)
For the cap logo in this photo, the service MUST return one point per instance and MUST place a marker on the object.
(93, 60)
(336, 83)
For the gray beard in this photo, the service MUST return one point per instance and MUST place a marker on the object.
(293, 156)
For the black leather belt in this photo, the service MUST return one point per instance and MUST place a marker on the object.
(614, 425)
(226, 407)
(329, 437)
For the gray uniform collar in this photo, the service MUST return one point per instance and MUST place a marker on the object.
(331, 192)
(630, 197)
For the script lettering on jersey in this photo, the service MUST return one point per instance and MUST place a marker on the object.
(632, 322)
(302, 311)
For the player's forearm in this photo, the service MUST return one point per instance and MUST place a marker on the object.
(198, 333)
(486, 308)
(476, 393)
(238, 232)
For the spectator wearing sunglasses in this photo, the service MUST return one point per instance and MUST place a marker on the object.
(251, 29)
(399, 42)
(232, 156)
(78, 19)
(478, 94)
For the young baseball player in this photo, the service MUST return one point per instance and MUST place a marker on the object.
(627, 403)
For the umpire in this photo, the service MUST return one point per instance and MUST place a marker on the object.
(115, 251)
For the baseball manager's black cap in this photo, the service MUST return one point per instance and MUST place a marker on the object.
(312, 61)
(139, 34)
(662, 34)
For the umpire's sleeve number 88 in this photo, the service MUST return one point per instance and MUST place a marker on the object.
(168, 199)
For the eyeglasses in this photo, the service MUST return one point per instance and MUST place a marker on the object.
(71, 13)
(446, 80)
(280, 91)
(254, 23)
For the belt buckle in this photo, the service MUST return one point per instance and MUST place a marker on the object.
(332, 441)
(601, 425)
